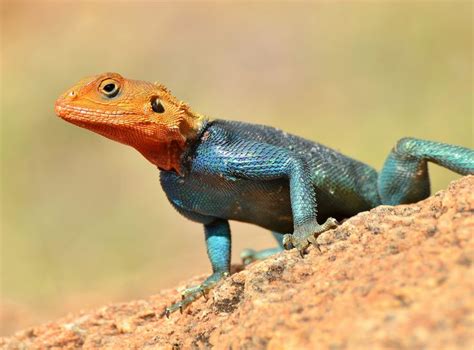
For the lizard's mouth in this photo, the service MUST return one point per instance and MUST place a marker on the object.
(67, 112)
(70, 113)
(60, 111)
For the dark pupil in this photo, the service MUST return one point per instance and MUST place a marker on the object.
(157, 106)
(109, 87)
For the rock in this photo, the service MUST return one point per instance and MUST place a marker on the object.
(394, 277)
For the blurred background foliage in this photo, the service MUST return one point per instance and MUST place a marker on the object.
(84, 220)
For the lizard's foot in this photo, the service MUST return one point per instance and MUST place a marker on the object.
(193, 293)
(249, 255)
(302, 239)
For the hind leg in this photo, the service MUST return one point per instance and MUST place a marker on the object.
(404, 177)
(250, 255)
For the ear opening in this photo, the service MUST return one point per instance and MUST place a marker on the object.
(156, 105)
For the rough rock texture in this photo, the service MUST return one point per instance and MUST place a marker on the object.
(394, 277)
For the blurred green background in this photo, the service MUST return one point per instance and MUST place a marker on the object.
(84, 221)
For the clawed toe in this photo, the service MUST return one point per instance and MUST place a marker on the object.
(302, 239)
(329, 224)
(288, 241)
(291, 241)
(180, 305)
(193, 293)
(314, 242)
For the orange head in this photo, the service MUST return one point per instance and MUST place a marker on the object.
(137, 113)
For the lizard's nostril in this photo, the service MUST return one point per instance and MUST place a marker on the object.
(72, 93)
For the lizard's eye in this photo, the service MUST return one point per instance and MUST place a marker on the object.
(109, 88)
(156, 105)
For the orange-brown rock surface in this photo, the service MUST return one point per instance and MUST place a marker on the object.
(394, 277)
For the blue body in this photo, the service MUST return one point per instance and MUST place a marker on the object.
(242, 172)
(289, 185)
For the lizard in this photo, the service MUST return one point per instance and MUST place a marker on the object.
(213, 170)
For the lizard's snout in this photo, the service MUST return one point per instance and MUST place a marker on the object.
(59, 108)
(62, 102)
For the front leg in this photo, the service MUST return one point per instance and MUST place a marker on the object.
(260, 161)
(218, 243)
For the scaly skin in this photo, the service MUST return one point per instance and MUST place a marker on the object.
(213, 171)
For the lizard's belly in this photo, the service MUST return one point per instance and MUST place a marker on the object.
(263, 203)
